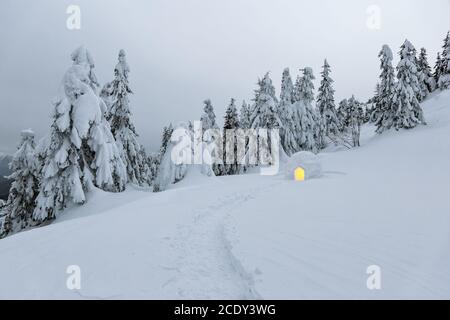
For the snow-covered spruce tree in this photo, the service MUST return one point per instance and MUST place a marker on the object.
(355, 120)
(81, 151)
(116, 95)
(373, 112)
(230, 147)
(346, 109)
(41, 149)
(165, 139)
(179, 159)
(153, 162)
(208, 118)
(444, 76)
(147, 172)
(304, 115)
(408, 112)
(287, 88)
(325, 102)
(385, 107)
(156, 160)
(265, 116)
(265, 109)
(285, 112)
(425, 68)
(245, 116)
(22, 195)
(208, 122)
(422, 90)
(245, 119)
(342, 113)
(170, 171)
(304, 89)
(367, 112)
(352, 116)
(438, 69)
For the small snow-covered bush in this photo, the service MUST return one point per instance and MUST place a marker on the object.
(306, 160)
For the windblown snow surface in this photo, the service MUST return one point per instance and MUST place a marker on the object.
(258, 237)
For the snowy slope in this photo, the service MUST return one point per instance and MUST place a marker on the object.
(261, 237)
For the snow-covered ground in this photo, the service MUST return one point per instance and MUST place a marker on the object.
(386, 204)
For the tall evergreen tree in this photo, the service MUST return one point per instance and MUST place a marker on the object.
(425, 68)
(408, 112)
(265, 110)
(245, 122)
(285, 113)
(355, 120)
(116, 94)
(208, 121)
(423, 91)
(420, 86)
(22, 195)
(208, 118)
(342, 113)
(444, 77)
(438, 69)
(172, 170)
(304, 89)
(374, 113)
(304, 116)
(325, 102)
(385, 109)
(265, 116)
(155, 161)
(367, 112)
(81, 152)
(245, 116)
(147, 172)
(287, 88)
(230, 147)
(165, 139)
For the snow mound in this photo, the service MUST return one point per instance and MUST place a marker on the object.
(305, 160)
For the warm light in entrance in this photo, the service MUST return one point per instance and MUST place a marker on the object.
(299, 174)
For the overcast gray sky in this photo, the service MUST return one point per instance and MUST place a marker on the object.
(183, 51)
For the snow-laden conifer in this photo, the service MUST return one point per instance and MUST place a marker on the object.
(385, 108)
(208, 118)
(18, 210)
(444, 76)
(245, 116)
(408, 112)
(325, 102)
(265, 116)
(116, 95)
(81, 150)
(305, 117)
(230, 146)
(285, 111)
(210, 127)
(424, 67)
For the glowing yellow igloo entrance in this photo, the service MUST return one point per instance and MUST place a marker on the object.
(299, 174)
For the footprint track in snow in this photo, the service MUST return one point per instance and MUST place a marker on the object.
(205, 265)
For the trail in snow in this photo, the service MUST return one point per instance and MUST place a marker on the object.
(205, 264)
